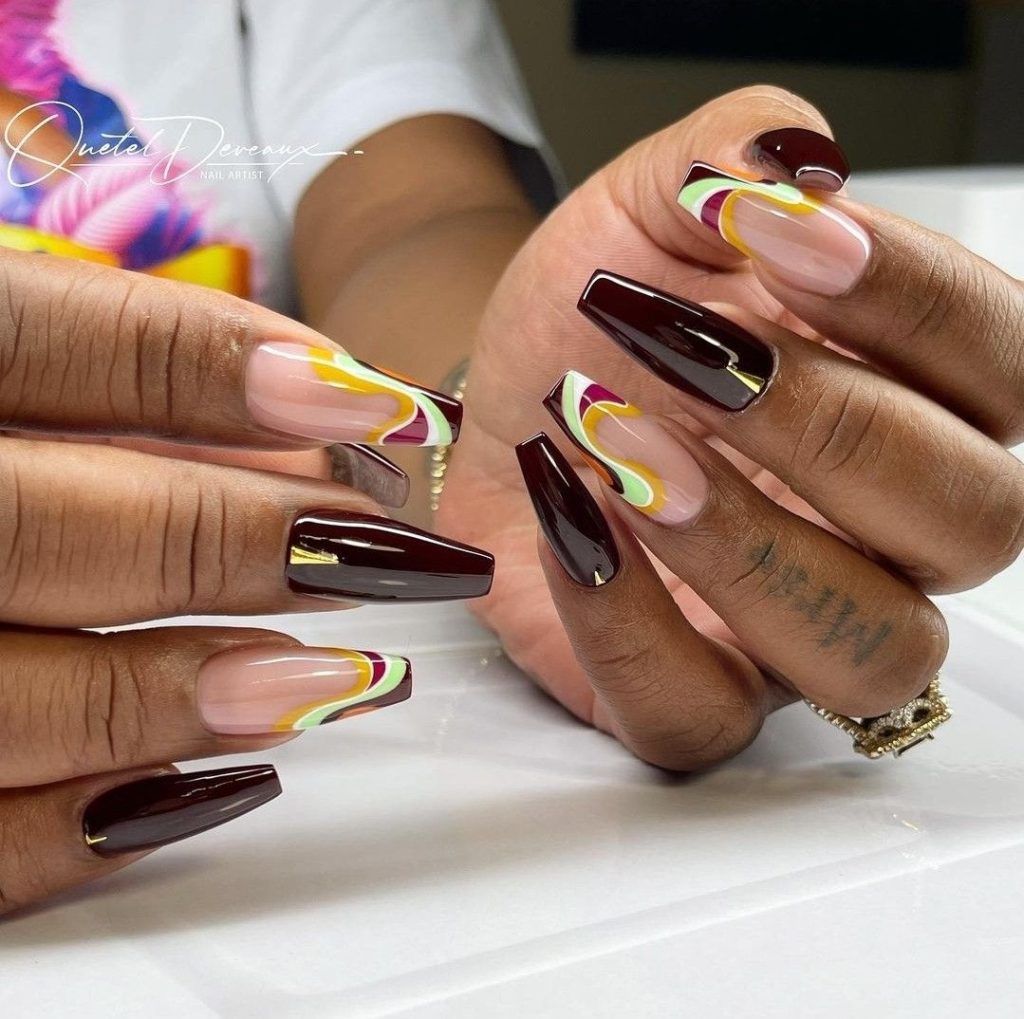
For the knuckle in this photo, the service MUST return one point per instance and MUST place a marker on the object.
(620, 661)
(107, 732)
(845, 432)
(721, 732)
(21, 878)
(999, 527)
(15, 528)
(925, 296)
(987, 509)
(922, 648)
(200, 551)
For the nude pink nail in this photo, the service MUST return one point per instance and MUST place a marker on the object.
(249, 690)
(804, 242)
(326, 394)
(630, 450)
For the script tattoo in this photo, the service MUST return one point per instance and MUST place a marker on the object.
(840, 618)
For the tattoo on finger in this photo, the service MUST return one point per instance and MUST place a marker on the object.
(840, 619)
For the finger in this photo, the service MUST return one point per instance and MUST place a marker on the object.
(92, 349)
(56, 837)
(910, 300)
(883, 463)
(357, 466)
(759, 130)
(675, 698)
(86, 703)
(845, 632)
(96, 536)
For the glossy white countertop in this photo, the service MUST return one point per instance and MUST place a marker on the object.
(477, 854)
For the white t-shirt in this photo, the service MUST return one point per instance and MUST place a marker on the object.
(195, 125)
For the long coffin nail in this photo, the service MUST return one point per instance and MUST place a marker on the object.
(810, 159)
(368, 470)
(278, 689)
(687, 345)
(365, 558)
(571, 521)
(805, 243)
(323, 393)
(156, 811)
(630, 451)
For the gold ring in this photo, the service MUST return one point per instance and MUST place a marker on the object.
(897, 731)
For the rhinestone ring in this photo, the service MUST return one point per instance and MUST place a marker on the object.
(899, 730)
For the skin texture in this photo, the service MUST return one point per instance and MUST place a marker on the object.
(837, 499)
(137, 484)
(756, 598)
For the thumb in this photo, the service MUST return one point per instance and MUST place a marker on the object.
(759, 132)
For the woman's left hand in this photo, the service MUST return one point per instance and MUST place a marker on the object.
(802, 499)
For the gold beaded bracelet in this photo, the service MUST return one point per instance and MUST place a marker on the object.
(455, 386)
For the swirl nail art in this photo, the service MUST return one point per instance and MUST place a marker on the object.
(579, 405)
(808, 244)
(380, 680)
(250, 690)
(629, 450)
(324, 393)
(419, 419)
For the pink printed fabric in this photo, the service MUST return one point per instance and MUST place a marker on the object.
(29, 61)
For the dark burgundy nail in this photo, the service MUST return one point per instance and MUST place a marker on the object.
(368, 470)
(809, 159)
(156, 811)
(569, 516)
(687, 345)
(366, 558)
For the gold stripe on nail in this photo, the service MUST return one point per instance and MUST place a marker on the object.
(298, 556)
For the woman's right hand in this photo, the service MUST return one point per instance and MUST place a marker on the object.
(95, 534)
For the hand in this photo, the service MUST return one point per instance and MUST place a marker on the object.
(800, 501)
(93, 535)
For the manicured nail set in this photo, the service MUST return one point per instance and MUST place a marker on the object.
(323, 394)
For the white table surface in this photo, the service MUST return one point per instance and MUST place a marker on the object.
(476, 853)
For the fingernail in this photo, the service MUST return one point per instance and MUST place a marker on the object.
(157, 811)
(569, 516)
(365, 558)
(323, 393)
(810, 159)
(805, 243)
(685, 344)
(630, 451)
(278, 689)
(368, 470)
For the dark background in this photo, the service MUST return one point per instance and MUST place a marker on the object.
(904, 83)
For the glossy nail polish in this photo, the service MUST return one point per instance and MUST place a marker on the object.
(156, 811)
(368, 470)
(325, 394)
(683, 343)
(571, 521)
(805, 243)
(809, 159)
(277, 689)
(365, 558)
(630, 451)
